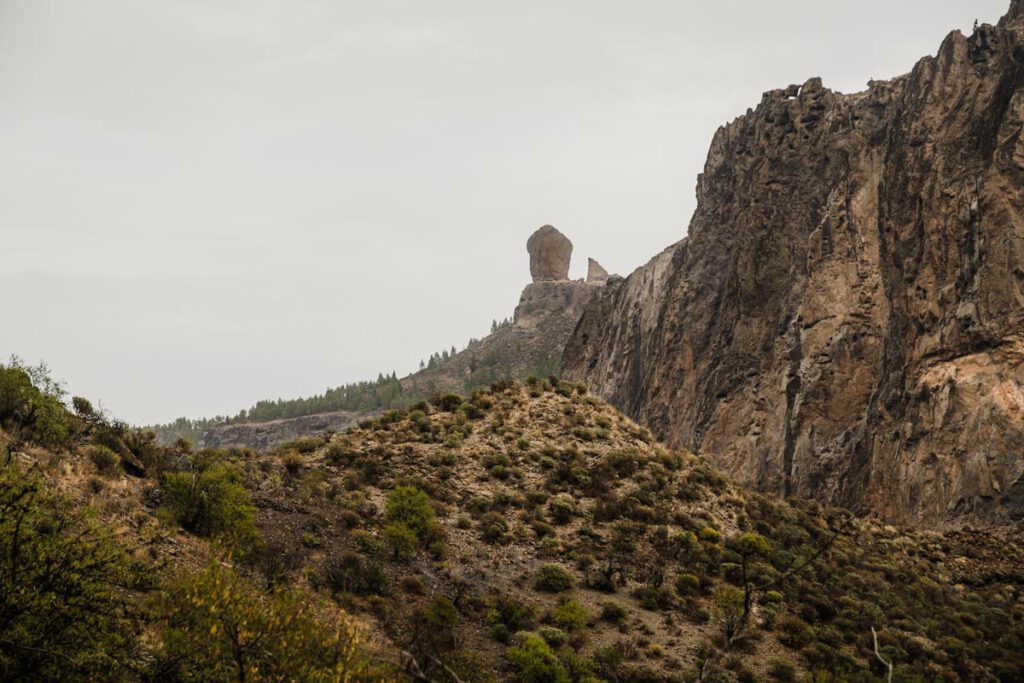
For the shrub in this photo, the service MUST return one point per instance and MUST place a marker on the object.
(562, 508)
(534, 661)
(64, 589)
(794, 632)
(31, 403)
(220, 627)
(613, 612)
(105, 460)
(410, 507)
(210, 500)
(553, 578)
(449, 403)
(401, 540)
(782, 670)
(710, 535)
(729, 607)
(510, 614)
(352, 573)
(493, 527)
(687, 584)
(569, 615)
(653, 597)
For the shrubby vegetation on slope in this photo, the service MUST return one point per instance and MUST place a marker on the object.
(526, 532)
(93, 587)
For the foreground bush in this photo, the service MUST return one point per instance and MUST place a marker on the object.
(65, 589)
(210, 500)
(216, 626)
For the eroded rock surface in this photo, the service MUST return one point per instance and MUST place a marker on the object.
(596, 272)
(846, 318)
(550, 254)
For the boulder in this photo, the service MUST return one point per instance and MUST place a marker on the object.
(550, 253)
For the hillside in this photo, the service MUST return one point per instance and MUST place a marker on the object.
(845, 319)
(523, 533)
(530, 343)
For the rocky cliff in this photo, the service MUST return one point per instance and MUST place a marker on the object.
(845, 320)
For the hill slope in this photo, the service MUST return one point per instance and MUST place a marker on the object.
(524, 533)
(845, 320)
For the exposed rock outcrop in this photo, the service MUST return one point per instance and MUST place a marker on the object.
(596, 272)
(264, 436)
(550, 254)
(846, 318)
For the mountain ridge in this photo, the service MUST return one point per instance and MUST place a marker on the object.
(843, 321)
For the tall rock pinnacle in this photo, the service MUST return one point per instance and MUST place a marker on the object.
(550, 253)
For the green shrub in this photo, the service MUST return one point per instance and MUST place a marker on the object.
(105, 460)
(687, 584)
(410, 507)
(210, 500)
(553, 578)
(449, 403)
(569, 615)
(65, 589)
(31, 404)
(729, 607)
(782, 670)
(534, 661)
(562, 508)
(493, 527)
(218, 627)
(794, 632)
(613, 612)
(507, 615)
(401, 540)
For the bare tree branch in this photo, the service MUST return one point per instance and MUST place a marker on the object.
(883, 660)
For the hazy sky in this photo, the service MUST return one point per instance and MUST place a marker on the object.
(208, 202)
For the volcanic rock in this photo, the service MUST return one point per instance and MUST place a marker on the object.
(845, 320)
(550, 253)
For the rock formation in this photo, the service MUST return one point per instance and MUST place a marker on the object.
(845, 320)
(548, 311)
(550, 253)
(596, 272)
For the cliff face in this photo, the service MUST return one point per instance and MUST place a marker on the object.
(846, 318)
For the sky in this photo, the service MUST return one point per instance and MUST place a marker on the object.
(205, 203)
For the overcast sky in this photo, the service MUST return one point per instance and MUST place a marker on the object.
(208, 202)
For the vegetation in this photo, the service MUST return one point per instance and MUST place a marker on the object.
(209, 499)
(524, 532)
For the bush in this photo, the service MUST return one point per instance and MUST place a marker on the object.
(553, 578)
(493, 527)
(569, 615)
(687, 584)
(220, 627)
(105, 460)
(562, 508)
(210, 500)
(534, 661)
(508, 615)
(64, 589)
(31, 403)
(729, 607)
(613, 612)
(794, 632)
(401, 540)
(410, 507)
(782, 670)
